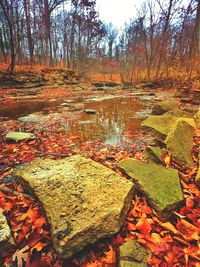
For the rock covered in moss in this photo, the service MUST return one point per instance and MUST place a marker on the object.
(160, 185)
(164, 106)
(197, 119)
(83, 200)
(132, 254)
(179, 142)
(19, 136)
(160, 126)
(154, 154)
(177, 112)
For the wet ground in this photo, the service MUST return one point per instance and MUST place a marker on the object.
(117, 119)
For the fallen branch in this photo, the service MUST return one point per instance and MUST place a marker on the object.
(5, 189)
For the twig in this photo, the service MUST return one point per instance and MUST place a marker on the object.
(180, 240)
(16, 193)
(52, 154)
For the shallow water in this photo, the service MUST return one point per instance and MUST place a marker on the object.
(117, 118)
(113, 123)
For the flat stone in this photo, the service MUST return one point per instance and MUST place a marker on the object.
(161, 185)
(6, 238)
(164, 106)
(179, 142)
(90, 111)
(197, 119)
(160, 125)
(177, 112)
(132, 254)
(154, 154)
(32, 118)
(84, 201)
(19, 136)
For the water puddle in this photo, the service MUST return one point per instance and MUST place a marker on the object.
(113, 122)
(17, 109)
(117, 118)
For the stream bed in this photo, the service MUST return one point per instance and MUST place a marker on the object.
(117, 117)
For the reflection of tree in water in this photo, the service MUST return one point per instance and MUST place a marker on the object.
(114, 117)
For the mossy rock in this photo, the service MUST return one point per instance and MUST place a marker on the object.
(84, 201)
(164, 106)
(154, 154)
(161, 185)
(159, 126)
(177, 112)
(179, 142)
(19, 136)
(133, 254)
(197, 119)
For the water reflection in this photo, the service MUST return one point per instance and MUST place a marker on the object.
(14, 110)
(112, 122)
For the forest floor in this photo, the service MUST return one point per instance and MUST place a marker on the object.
(62, 100)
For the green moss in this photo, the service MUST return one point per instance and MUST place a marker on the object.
(179, 142)
(161, 185)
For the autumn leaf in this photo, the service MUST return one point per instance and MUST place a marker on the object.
(166, 157)
(20, 256)
(168, 226)
(8, 206)
(144, 225)
(110, 256)
(189, 231)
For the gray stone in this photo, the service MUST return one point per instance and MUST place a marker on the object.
(161, 185)
(132, 254)
(164, 106)
(32, 118)
(160, 125)
(84, 201)
(6, 238)
(90, 111)
(154, 154)
(179, 142)
(197, 119)
(19, 136)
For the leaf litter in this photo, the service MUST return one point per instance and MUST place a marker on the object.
(172, 243)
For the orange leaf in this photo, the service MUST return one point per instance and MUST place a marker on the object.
(110, 256)
(189, 231)
(144, 225)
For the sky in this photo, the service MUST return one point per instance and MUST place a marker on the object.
(116, 11)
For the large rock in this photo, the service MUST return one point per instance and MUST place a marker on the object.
(6, 238)
(179, 142)
(160, 126)
(161, 185)
(132, 254)
(84, 201)
(19, 136)
(197, 119)
(164, 106)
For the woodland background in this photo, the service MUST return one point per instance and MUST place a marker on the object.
(162, 41)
